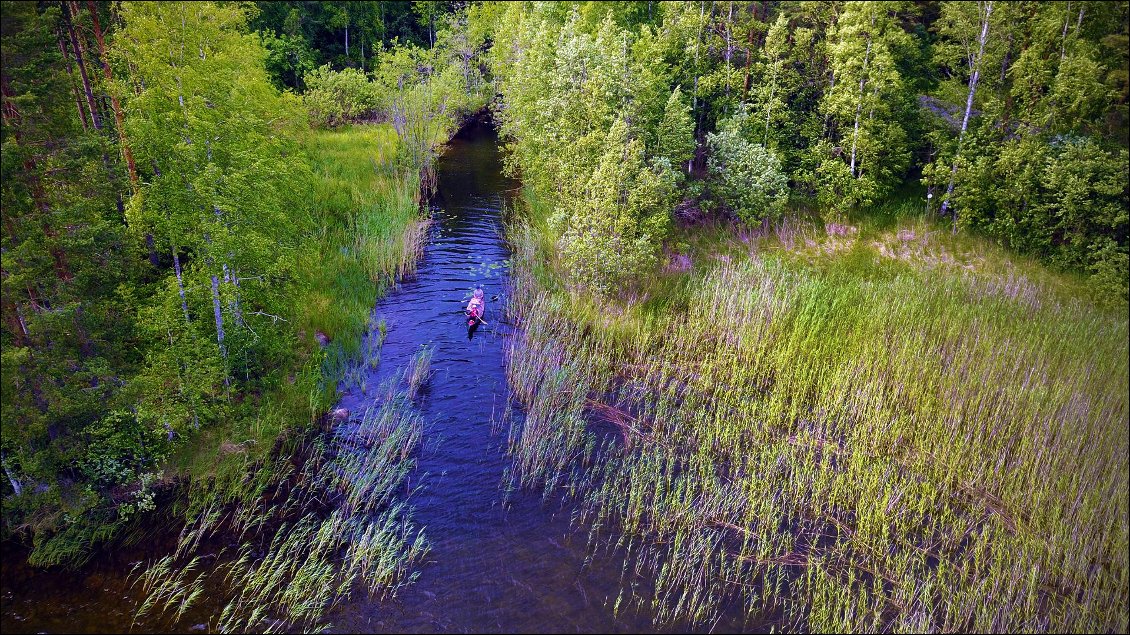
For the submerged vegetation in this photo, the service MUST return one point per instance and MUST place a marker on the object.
(310, 535)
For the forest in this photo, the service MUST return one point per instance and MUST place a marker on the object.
(820, 309)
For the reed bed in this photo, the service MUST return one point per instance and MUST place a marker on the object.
(308, 535)
(370, 228)
(848, 443)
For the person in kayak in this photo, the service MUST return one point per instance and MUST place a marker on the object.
(475, 309)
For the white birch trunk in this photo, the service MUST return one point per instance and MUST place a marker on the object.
(975, 66)
(16, 486)
(180, 285)
(219, 315)
(859, 106)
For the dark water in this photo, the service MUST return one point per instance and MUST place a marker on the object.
(499, 561)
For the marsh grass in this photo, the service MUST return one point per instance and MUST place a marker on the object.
(370, 229)
(418, 371)
(837, 439)
(309, 532)
(313, 516)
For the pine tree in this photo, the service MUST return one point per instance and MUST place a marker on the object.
(675, 135)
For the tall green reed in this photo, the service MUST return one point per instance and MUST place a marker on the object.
(852, 442)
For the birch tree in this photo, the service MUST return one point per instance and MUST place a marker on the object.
(969, 24)
(867, 150)
(207, 120)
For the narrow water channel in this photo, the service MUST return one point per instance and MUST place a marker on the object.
(499, 561)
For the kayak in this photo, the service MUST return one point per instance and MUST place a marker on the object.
(474, 319)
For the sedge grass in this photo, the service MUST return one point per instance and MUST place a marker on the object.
(836, 439)
(307, 537)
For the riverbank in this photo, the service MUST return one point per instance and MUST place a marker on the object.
(865, 425)
(369, 232)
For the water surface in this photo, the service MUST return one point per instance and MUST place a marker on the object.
(499, 561)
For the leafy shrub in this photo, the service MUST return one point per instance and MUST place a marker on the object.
(749, 177)
(336, 97)
(611, 231)
(1063, 200)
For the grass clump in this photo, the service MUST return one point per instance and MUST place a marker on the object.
(307, 536)
(810, 431)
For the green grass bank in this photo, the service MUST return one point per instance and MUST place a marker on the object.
(315, 517)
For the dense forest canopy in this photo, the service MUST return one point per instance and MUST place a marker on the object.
(174, 264)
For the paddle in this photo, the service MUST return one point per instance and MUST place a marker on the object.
(464, 312)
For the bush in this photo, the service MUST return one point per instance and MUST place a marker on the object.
(336, 97)
(749, 177)
(611, 231)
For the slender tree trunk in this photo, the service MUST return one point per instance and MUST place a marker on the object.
(772, 93)
(119, 117)
(974, 76)
(694, 97)
(17, 488)
(859, 106)
(74, 84)
(230, 278)
(1063, 38)
(219, 315)
(15, 320)
(69, 23)
(149, 243)
(748, 62)
(729, 53)
(347, 41)
(180, 284)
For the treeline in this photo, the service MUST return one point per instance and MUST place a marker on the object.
(165, 268)
(302, 36)
(1013, 116)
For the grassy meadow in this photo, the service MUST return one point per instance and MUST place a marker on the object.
(866, 426)
(367, 208)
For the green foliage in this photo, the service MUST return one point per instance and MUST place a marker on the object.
(611, 232)
(347, 34)
(863, 107)
(289, 58)
(117, 449)
(1064, 202)
(675, 133)
(117, 367)
(749, 177)
(566, 105)
(68, 339)
(333, 98)
(217, 194)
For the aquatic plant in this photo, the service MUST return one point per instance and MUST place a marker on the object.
(416, 374)
(310, 538)
(837, 440)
